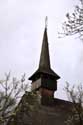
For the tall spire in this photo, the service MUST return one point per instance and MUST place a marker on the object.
(44, 57)
(44, 63)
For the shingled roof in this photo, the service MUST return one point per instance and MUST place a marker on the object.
(56, 114)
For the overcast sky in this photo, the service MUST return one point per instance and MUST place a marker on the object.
(22, 25)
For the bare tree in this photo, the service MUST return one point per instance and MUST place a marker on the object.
(74, 22)
(11, 91)
(75, 95)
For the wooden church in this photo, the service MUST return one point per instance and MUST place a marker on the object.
(50, 111)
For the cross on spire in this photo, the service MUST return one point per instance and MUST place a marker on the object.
(46, 22)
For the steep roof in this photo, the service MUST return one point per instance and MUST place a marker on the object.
(34, 114)
(44, 58)
(44, 63)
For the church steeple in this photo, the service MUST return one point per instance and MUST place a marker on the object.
(44, 79)
(44, 63)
